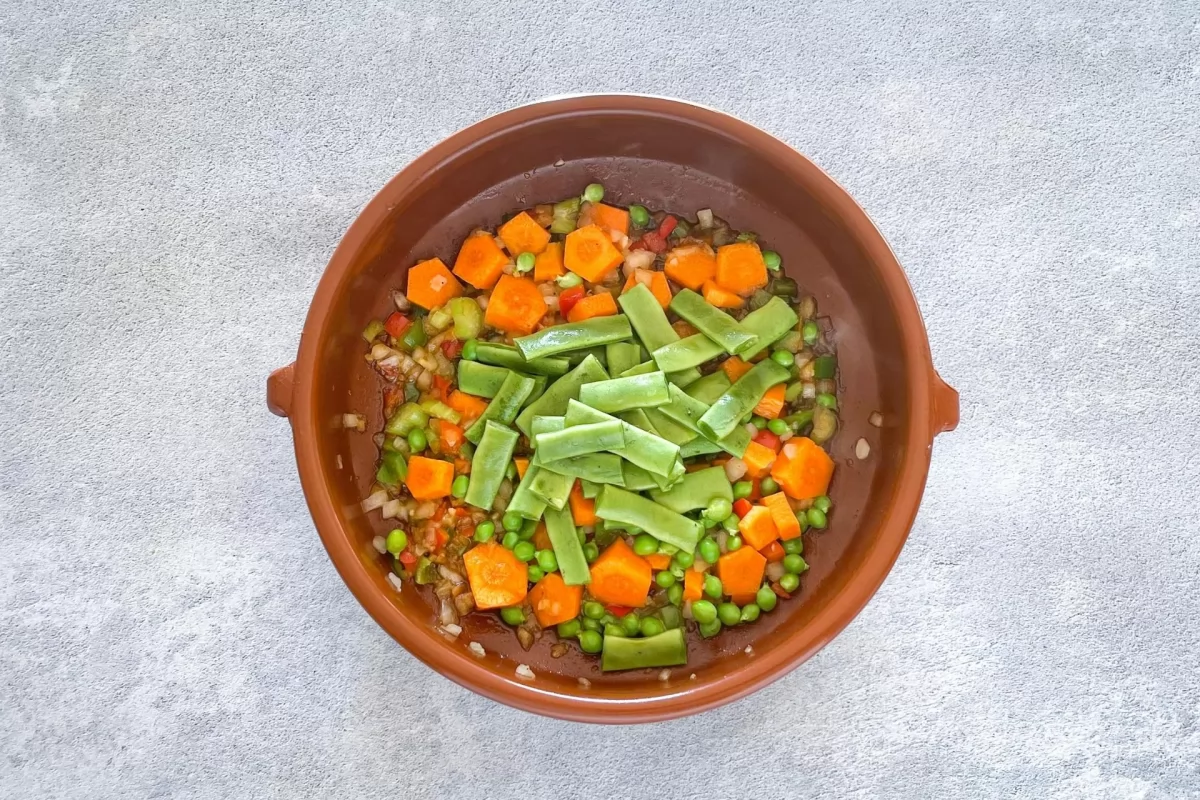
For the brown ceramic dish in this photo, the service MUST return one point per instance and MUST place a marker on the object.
(664, 154)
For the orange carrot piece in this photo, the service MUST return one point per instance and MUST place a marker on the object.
(554, 601)
(782, 515)
(470, 406)
(758, 528)
(516, 305)
(771, 404)
(583, 509)
(596, 305)
(743, 599)
(773, 552)
(620, 577)
(734, 368)
(803, 469)
(522, 234)
(431, 285)
(658, 561)
(693, 585)
(549, 263)
(429, 478)
(497, 577)
(480, 260)
(721, 298)
(758, 459)
(611, 218)
(654, 280)
(590, 253)
(740, 268)
(691, 265)
(741, 571)
(541, 537)
(522, 465)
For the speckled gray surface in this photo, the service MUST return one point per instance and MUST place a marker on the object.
(172, 181)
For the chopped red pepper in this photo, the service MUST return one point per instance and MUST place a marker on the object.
(441, 387)
(452, 348)
(773, 552)
(396, 324)
(767, 439)
(666, 226)
(407, 558)
(568, 299)
(440, 537)
(654, 242)
(780, 591)
(618, 611)
(639, 244)
(742, 507)
(393, 396)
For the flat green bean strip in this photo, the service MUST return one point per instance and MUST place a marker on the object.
(650, 452)
(687, 410)
(572, 563)
(542, 424)
(589, 488)
(713, 322)
(595, 467)
(700, 447)
(668, 428)
(554, 401)
(726, 413)
(638, 479)
(524, 502)
(551, 487)
(580, 440)
(481, 380)
(660, 522)
(575, 357)
(491, 457)
(769, 323)
(653, 328)
(686, 353)
(622, 355)
(710, 387)
(696, 490)
(539, 387)
(504, 355)
(645, 368)
(622, 394)
(504, 406)
(666, 649)
(574, 336)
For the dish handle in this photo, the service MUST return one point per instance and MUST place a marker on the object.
(944, 408)
(279, 390)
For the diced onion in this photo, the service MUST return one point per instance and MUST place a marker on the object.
(809, 390)
(788, 434)
(876, 419)
(380, 352)
(638, 259)
(735, 469)
(401, 301)
(482, 300)
(452, 631)
(552, 303)
(751, 429)
(704, 218)
(380, 544)
(451, 575)
(391, 509)
(356, 421)
(375, 501)
(775, 570)
(477, 649)
(425, 510)
(585, 683)
(862, 449)
(523, 671)
(395, 581)
(665, 675)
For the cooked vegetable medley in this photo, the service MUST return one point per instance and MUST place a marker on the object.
(605, 422)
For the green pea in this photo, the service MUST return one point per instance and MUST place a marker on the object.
(772, 260)
(794, 546)
(632, 530)
(684, 559)
(528, 530)
(783, 358)
(470, 349)
(547, 560)
(460, 486)
(750, 612)
(802, 518)
(639, 216)
(417, 440)
(730, 523)
(510, 471)
(675, 594)
(485, 530)
(590, 641)
(729, 614)
(593, 610)
(778, 427)
(568, 281)
(827, 400)
(709, 523)
(789, 582)
(614, 629)
(609, 619)
(534, 573)
(718, 509)
(631, 624)
(670, 616)
(525, 262)
(758, 422)
(810, 332)
(710, 629)
(591, 624)
(823, 502)
(397, 540)
(645, 545)
(817, 518)
(766, 599)
(510, 540)
(710, 551)
(665, 579)
(733, 543)
(768, 485)
(677, 571)
(794, 563)
(703, 611)
(591, 552)
(524, 551)
(652, 626)
(742, 489)
(570, 629)
(512, 521)
(668, 549)
(594, 193)
(713, 587)
(512, 615)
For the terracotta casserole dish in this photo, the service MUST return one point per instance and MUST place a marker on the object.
(663, 154)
